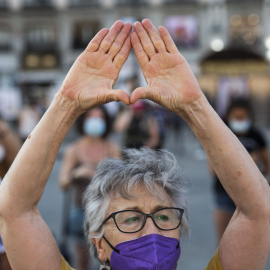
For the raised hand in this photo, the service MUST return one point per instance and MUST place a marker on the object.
(171, 83)
(94, 73)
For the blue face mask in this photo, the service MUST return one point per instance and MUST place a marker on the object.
(240, 126)
(94, 127)
(150, 252)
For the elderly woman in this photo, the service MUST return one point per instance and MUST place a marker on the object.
(134, 214)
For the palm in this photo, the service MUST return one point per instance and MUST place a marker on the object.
(94, 73)
(169, 77)
(170, 80)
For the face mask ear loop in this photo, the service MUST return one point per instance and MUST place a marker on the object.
(113, 248)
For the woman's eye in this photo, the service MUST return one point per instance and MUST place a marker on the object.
(162, 218)
(132, 220)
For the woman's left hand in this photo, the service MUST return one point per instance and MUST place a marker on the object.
(171, 83)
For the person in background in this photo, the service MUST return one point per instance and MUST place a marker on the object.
(29, 117)
(79, 165)
(9, 147)
(140, 129)
(239, 118)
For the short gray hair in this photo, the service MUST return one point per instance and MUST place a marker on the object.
(155, 169)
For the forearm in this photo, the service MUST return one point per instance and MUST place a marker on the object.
(28, 175)
(233, 165)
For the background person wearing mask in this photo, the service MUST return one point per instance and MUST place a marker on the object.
(240, 120)
(78, 167)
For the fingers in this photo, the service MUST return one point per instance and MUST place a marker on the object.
(138, 50)
(117, 95)
(110, 37)
(145, 39)
(119, 41)
(168, 41)
(154, 35)
(123, 54)
(96, 41)
(141, 93)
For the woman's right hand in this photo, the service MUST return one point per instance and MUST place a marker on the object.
(93, 75)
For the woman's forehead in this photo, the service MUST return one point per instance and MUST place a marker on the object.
(142, 199)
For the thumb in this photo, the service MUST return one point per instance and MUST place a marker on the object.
(117, 95)
(141, 93)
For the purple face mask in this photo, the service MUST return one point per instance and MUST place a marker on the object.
(150, 252)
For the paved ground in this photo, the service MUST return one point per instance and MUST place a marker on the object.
(199, 248)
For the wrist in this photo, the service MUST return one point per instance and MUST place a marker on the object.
(67, 106)
(196, 110)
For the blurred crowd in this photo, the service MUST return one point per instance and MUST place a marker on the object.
(143, 124)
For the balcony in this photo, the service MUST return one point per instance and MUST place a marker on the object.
(37, 4)
(83, 3)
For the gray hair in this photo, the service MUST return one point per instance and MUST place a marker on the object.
(155, 169)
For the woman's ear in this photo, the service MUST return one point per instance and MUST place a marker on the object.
(102, 255)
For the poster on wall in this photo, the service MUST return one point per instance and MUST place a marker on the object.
(229, 88)
(184, 30)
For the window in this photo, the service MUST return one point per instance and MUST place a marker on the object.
(40, 38)
(78, 3)
(5, 38)
(37, 3)
(245, 29)
(84, 32)
(3, 4)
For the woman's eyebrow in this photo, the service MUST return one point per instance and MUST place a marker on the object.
(156, 207)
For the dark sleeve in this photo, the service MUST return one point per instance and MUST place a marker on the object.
(258, 136)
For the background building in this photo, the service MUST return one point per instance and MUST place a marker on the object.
(40, 39)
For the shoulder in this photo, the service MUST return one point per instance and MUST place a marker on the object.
(214, 263)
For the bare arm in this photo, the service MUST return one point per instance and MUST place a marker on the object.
(153, 140)
(122, 122)
(68, 163)
(28, 241)
(10, 142)
(246, 242)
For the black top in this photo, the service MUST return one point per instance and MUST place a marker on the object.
(253, 141)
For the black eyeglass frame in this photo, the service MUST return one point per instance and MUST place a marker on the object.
(145, 218)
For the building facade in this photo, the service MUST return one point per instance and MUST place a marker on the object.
(40, 39)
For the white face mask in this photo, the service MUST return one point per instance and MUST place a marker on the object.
(240, 126)
(94, 126)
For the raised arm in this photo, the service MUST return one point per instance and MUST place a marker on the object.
(246, 242)
(28, 241)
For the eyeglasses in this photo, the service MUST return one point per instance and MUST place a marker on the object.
(132, 221)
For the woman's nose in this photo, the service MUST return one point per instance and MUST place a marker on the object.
(150, 227)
